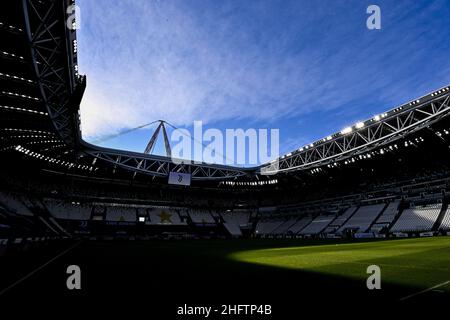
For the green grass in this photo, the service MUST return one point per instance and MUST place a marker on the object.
(420, 263)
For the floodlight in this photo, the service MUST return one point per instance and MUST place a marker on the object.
(347, 130)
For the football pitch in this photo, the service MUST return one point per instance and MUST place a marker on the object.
(422, 263)
(281, 272)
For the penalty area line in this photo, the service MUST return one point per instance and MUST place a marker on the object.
(39, 268)
(425, 291)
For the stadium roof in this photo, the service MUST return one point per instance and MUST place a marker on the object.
(41, 93)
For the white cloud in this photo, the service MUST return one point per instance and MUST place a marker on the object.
(149, 60)
(163, 64)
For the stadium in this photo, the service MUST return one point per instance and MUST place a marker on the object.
(375, 193)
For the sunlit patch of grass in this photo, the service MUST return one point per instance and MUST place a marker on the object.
(412, 262)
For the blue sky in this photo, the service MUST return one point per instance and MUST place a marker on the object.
(308, 68)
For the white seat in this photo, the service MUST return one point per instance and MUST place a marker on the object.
(317, 225)
(201, 216)
(363, 218)
(417, 219)
(445, 224)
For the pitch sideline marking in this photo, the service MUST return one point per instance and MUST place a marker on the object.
(426, 290)
(39, 268)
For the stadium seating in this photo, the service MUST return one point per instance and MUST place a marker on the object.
(14, 203)
(330, 229)
(445, 224)
(267, 226)
(386, 217)
(340, 220)
(417, 219)
(389, 213)
(233, 221)
(238, 217)
(299, 225)
(284, 227)
(363, 218)
(201, 216)
(161, 216)
(121, 214)
(317, 225)
(233, 229)
(68, 211)
(276, 221)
